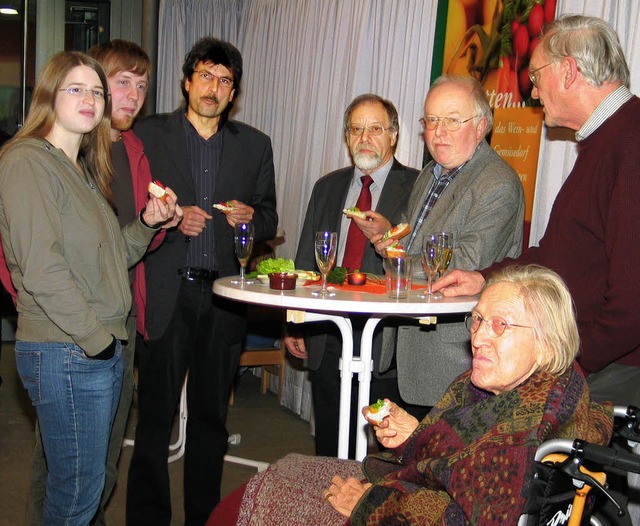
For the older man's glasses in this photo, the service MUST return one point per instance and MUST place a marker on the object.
(208, 78)
(429, 122)
(374, 130)
(77, 91)
(495, 325)
(533, 74)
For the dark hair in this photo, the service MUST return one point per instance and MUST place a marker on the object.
(121, 55)
(216, 51)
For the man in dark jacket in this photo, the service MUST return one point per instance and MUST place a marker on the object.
(206, 158)
(371, 132)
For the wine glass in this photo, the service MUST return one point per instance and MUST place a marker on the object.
(243, 244)
(326, 244)
(436, 256)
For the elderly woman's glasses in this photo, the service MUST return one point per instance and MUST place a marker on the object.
(429, 122)
(375, 130)
(495, 325)
(533, 74)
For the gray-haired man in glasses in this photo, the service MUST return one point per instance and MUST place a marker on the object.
(468, 190)
(580, 75)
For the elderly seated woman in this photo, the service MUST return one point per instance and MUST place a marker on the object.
(468, 461)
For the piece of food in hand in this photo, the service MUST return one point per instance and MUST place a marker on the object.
(224, 206)
(397, 232)
(354, 211)
(396, 251)
(378, 411)
(156, 189)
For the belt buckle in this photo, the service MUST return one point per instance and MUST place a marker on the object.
(198, 274)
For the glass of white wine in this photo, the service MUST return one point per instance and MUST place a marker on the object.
(243, 244)
(326, 245)
(436, 256)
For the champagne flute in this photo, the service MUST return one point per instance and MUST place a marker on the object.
(243, 244)
(326, 244)
(436, 256)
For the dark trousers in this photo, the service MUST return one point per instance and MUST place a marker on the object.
(325, 391)
(195, 342)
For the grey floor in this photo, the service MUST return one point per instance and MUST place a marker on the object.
(268, 432)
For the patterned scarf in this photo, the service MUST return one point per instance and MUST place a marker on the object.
(468, 461)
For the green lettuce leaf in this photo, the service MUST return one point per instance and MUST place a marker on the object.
(270, 265)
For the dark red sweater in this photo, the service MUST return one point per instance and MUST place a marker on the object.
(593, 241)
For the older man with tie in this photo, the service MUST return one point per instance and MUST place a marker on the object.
(376, 182)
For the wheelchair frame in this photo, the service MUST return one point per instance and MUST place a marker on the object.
(568, 457)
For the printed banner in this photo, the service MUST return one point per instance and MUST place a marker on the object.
(492, 40)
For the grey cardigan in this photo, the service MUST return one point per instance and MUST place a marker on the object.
(64, 248)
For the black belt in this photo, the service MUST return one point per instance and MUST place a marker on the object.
(198, 274)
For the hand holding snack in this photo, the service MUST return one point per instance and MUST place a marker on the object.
(396, 251)
(354, 211)
(157, 189)
(162, 208)
(395, 428)
(377, 411)
(397, 232)
(236, 211)
(224, 206)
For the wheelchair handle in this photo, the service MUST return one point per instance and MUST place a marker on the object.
(600, 454)
(611, 457)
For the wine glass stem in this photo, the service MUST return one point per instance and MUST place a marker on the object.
(324, 283)
(242, 273)
(429, 283)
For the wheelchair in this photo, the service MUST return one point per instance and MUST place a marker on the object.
(578, 484)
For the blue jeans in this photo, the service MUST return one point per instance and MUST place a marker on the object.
(75, 398)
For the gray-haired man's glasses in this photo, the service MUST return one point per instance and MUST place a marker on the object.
(429, 122)
(533, 77)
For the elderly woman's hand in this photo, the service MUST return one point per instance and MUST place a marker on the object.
(344, 494)
(394, 430)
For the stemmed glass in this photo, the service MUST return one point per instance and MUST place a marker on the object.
(243, 244)
(436, 256)
(326, 244)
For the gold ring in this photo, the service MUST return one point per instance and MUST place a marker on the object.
(328, 496)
